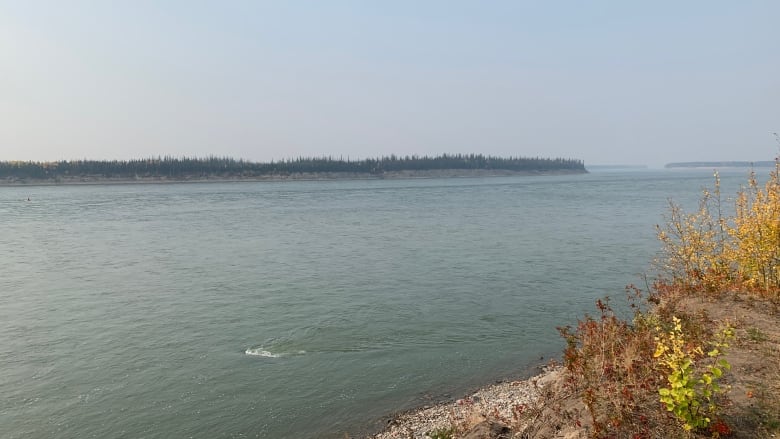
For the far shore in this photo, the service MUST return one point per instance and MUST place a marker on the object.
(319, 176)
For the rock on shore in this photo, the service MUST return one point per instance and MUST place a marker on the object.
(478, 415)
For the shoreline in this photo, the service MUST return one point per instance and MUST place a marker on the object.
(502, 400)
(321, 176)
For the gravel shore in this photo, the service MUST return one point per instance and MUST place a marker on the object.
(496, 401)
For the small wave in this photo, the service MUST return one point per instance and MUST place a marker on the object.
(257, 352)
(260, 352)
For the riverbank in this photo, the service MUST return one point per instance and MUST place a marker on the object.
(304, 176)
(549, 405)
(491, 408)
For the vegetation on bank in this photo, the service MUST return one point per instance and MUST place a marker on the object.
(666, 370)
(695, 355)
(216, 167)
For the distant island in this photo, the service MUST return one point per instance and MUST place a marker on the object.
(172, 169)
(728, 164)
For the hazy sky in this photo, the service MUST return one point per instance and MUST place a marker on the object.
(605, 81)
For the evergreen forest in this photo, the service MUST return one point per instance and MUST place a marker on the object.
(225, 167)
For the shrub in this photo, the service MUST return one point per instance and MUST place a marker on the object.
(709, 251)
(756, 234)
(694, 244)
(607, 360)
(623, 368)
(690, 394)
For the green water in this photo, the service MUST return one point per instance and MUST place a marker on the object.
(299, 309)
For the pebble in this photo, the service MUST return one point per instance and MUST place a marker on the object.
(502, 397)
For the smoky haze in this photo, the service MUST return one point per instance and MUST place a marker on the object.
(606, 82)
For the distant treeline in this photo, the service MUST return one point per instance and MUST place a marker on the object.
(182, 168)
(731, 164)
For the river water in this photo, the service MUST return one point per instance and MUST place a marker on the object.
(300, 309)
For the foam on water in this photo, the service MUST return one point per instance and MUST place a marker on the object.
(259, 352)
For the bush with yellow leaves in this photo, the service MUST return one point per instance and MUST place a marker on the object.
(709, 251)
